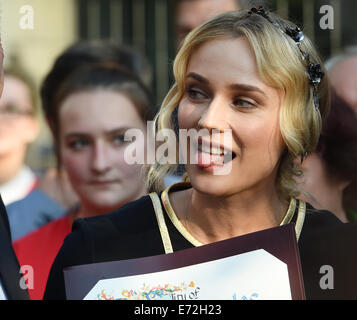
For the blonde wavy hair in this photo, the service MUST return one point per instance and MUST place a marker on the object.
(281, 65)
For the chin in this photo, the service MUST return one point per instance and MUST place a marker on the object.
(104, 202)
(213, 185)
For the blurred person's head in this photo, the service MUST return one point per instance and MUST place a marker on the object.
(78, 55)
(87, 52)
(342, 70)
(189, 14)
(19, 125)
(91, 112)
(329, 179)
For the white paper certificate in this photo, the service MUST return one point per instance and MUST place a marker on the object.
(254, 275)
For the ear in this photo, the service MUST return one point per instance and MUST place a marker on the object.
(343, 185)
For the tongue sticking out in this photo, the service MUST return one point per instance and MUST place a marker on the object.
(207, 159)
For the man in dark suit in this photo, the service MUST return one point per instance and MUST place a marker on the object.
(10, 276)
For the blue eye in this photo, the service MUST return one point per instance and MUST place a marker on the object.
(78, 144)
(195, 94)
(118, 139)
(244, 104)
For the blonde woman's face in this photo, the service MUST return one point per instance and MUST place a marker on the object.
(224, 91)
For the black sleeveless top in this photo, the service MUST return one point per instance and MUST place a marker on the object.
(137, 230)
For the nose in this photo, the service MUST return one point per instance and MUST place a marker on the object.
(214, 115)
(100, 161)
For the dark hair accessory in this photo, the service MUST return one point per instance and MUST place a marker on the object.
(314, 71)
(295, 33)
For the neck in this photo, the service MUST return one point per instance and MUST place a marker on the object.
(210, 219)
(337, 206)
(334, 204)
(10, 165)
(341, 214)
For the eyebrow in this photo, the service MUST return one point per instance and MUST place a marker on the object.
(197, 77)
(246, 87)
(235, 86)
(110, 132)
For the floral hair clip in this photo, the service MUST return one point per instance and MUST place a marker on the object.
(314, 71)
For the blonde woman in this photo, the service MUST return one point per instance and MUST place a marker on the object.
(255, 75)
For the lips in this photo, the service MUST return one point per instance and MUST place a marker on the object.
(102, 182)
(211, 153)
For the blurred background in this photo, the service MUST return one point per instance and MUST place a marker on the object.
(146, 25)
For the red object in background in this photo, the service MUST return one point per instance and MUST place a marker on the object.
(39, 249)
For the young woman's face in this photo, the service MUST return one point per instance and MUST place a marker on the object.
(92, 128)
(224, 91)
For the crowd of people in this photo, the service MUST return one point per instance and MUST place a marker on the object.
(294, 145)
